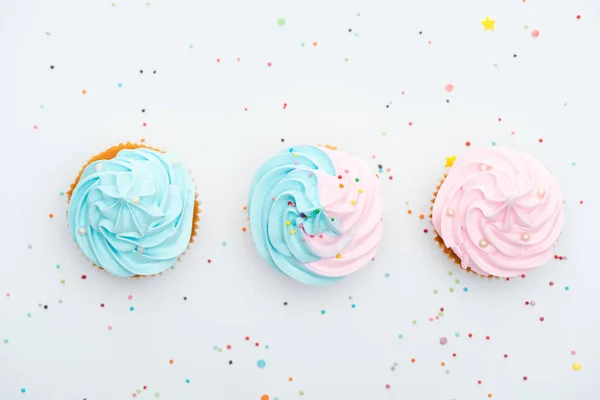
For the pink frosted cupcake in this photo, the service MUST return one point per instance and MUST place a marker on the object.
(498, 212)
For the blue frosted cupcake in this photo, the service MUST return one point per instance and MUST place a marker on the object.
(133, 210)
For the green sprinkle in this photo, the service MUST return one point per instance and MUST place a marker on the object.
(356, 179)
(215, 347)
(457, 334)
(5, 340)
(120, 84)
(191, 46)
(387, 274)
(29, 314)
(317, 211)
(441, 313)
(223, 243)
(267, 347)
(139, 390)
(220, 350)
(323, 312)
(573, 163)
(414, 321)
(302, 44)
(447, 372)
(57, 266)
(493, 143)
(281, 22)
(346, 59)
(435, 291)
(332, 219)
(400, 336)
(451, 289)
(301, 392)
(62, 281)
(42, 106)
(62, 193)
(156, 394)
(382, 134)
(449, 272)
(457, 280)
(465, 289)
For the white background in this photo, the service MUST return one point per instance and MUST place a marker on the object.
(195, 108)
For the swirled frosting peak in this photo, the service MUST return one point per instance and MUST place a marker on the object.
(500, 211)
(133, 214)
(315, 213)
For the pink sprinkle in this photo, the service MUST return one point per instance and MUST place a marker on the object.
(542, 319)
(35, 127)
(144, 124)
(269, 64)
(449, 87)
(387, 386)
(284, 106)
(321, 236)
(110, 327)
(346, 171)
(410, 123)
(295, 162)
(391, 178)
(551, 283)
(573, 352)
(130, 297)
(273, 198)
(430, 319)
(535, 33)
(7, 294)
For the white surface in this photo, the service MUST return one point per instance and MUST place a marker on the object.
(195, 108)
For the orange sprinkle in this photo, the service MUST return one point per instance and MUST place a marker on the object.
(243, 229)
(290, 379)
(315, 44)
(412, 360)
(264, 397)
(421, 216)
(409, 211)
(142, 140)
(489, 395)
(51, 215)
(171, 361)
(245, 208)
(443, 363)
(341, 185)
(84, 91)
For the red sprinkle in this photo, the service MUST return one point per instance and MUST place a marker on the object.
(487, 338)
(228, 347)
(247, 337)
(524, 378)
(468, 144)
(579, 17)
(542, 319)
(102, 305)
(551, 283)
(470, 335)
(284, 106)
(506, 356)
(256, 344)
(541, 140)
(479, 382)
(387, 386)
(269, 64)
(526, 303)
(83, 277)
(209, 260)
(144, 124)
(425, 230)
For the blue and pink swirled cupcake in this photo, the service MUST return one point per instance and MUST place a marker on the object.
(316, 213)
(133, 210)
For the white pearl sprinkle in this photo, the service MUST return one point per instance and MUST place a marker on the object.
(525, 237)
(135, 200)
(140, 249)
(99, 167)
(175, 162)
(81, 230)
(483, 243)
(541, 193)
(484, 167)
(449, 212)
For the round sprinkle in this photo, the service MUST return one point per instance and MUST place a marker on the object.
(449, 87)
(542, 319)
(443, 341)
(261, 363)
(457, 334)
(171, 361)
(323, 312)
(23, 390)
(576, 366)
(400, 336)
(535, 33)
(264, 397)
(280, 22)
(435, 291)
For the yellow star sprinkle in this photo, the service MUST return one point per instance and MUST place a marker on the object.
(488, 24)
(450, 161)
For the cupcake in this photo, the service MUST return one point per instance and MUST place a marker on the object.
(315, 213)
(133, 210)
(498, 212)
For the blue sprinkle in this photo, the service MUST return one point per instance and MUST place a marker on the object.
(291, 150)
(323, 312)
(120, 84)
(465, 289)
(457, 334)
(354, 305)
(261, 363)
(566, 288)
(294, 223)
(493, 143)
(400, 336)
(131, 308)
(23, 390)
(187, 381)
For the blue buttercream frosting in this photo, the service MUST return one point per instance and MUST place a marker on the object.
(285, 190)
(133, 215)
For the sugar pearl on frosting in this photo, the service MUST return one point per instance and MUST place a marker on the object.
(81, 230)
(140, 249)
(541, 193)
(450, 212)
(483, 243)
(99, 167)
(135, 199)
(175, 162)
(525, 237)
(484, 167)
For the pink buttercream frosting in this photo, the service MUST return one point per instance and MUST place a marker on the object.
(500, 211)
(358, 208)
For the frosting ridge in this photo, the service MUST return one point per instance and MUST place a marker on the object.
(500, 211)
(315, 213)
(133, 214)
